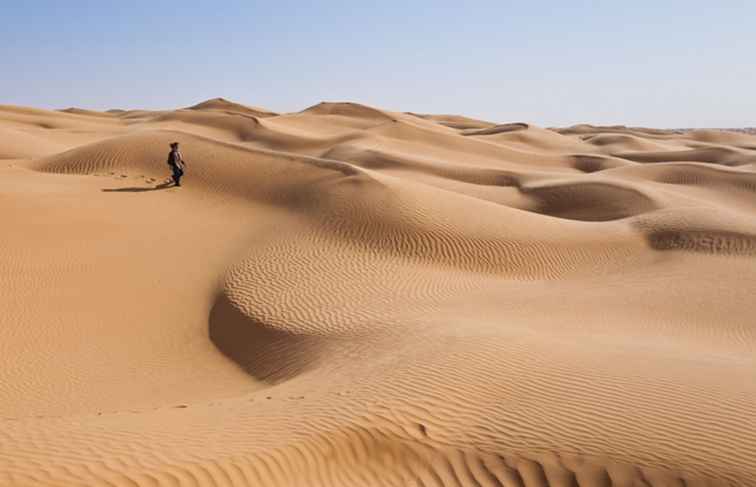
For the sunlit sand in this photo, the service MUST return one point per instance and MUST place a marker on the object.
(350, 296)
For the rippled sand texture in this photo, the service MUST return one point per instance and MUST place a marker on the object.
(348, 296)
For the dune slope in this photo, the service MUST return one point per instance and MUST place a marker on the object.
(353, 296)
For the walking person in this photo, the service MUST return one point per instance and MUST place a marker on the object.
(176, 163)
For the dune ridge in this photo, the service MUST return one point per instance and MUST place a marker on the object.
(348, 295)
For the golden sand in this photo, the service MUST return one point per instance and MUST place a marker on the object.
(348, 296)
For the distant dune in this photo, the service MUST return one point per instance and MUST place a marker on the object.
(224, 105)
(350, 296)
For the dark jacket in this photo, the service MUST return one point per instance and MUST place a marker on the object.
(175, 161)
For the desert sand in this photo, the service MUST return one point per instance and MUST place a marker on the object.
(350, 296)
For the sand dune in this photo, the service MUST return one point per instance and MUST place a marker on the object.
(349, 296)
(456, 121)
(226, 106)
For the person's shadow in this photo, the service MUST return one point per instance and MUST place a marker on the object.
(165, 185)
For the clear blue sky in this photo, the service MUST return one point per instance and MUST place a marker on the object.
(644, 62)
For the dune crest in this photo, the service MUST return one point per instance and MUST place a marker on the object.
(223, 105)
(348, 295)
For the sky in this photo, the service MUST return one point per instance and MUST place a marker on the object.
(553, 63)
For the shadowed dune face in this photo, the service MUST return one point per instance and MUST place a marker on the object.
(268, 354)
(353, 296)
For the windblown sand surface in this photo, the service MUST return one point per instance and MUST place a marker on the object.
(349, 296)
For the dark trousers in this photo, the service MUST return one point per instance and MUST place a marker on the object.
(177, 176)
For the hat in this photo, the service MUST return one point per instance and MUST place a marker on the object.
(174, 144)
